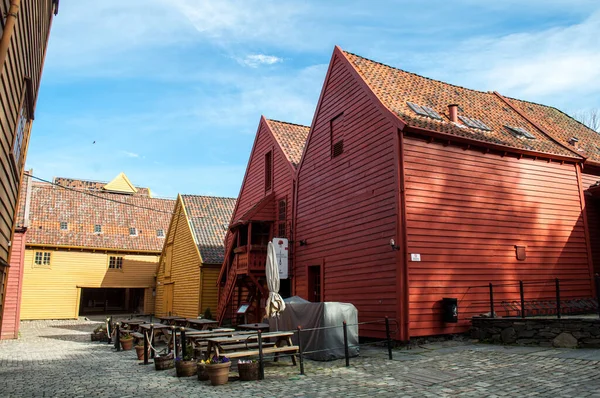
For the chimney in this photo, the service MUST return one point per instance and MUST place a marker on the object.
(453, 111)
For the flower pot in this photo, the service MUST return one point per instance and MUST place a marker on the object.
(139, 349)
(248, 371)
(126, 344)
(163, 362)
(218, 373)
(201, 371)
(185, 368)
(99, 336)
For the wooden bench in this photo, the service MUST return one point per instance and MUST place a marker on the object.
(291, 349)
(138, 338)
(222, 345)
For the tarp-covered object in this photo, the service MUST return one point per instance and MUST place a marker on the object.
(315, 315)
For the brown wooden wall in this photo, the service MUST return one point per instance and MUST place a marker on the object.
(589, 177)
(9, 321)
(25, 58)
(466, 211)
(346, 206)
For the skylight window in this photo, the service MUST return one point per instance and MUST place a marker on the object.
(64, 226)
(520, 132)
(474, 123)
(133, 231)
(160, 233)
(424, 111)
(97, 229)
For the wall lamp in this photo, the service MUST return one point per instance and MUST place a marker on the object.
(394, 245)
(303, 242)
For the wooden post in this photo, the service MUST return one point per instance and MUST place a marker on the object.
(118, 337)
(261, 364)
(346, 350)
(183, 344)
(300, 356)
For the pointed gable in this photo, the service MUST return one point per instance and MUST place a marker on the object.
(291, 138)
(208, 217)
(399, 91)
(120, 184)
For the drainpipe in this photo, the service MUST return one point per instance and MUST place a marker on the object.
(9, 27)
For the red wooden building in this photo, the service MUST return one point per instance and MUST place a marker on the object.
(411, 190)
(263, 211)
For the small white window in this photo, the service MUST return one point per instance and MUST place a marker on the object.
(98, 229)
(115, 262)
(64, 226)
(160, 233)
(42, 259)
(133, 231)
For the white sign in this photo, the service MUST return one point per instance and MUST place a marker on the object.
(415, 257)
(281, 249)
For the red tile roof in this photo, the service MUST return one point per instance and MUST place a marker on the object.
(82, 210)
(395, 87)
(209, 217)
(93, 185)
(291, 138)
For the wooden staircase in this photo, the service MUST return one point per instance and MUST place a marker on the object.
(226, 293)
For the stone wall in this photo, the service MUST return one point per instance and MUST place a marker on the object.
(566, 333)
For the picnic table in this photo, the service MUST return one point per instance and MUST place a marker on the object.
(202, 324)
(170, 320)
(159, 330)
(263, 327)
(131, 324)
(246, 345)
(199, 338)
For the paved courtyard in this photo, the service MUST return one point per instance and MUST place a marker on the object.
(57, 359)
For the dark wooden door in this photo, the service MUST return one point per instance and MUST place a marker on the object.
(314, 283)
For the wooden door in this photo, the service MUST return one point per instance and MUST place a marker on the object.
(314, 284)
(169, 298)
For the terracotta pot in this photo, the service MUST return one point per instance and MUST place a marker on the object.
(126, 344)
(185, 368)
(218, 373)
(202, 374)
(139, 349)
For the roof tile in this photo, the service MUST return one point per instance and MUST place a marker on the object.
(291, 138)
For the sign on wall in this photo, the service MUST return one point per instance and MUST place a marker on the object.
(281, 249)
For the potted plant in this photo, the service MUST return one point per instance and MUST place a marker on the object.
(126, 342)
(186, 366)
(163, 362)
(201, 369)
(248, 369)
(218, 370)
(99, 333)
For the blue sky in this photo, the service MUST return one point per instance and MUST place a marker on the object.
(171, 91)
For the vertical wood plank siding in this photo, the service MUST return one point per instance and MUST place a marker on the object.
(466, 211)
(25, 58)
(52, 293)
(346, 206)
(588, 178)
(185, 268)
(12, 306)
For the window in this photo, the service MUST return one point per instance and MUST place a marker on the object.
(281, 226)
(520, 132)
(160, 233)
(25, 113)
(97, 229)
(474, 123)
(132, 231)
(115, 262)
(424, 111)
(282, 210)
(281, 230)
(337, 136)
(42, 259)
(64, 226)
(268, 170)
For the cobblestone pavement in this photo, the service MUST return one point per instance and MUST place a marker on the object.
(57, 359)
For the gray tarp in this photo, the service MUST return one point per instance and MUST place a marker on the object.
(299, 312)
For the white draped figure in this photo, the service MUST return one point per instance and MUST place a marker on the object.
(275, 303)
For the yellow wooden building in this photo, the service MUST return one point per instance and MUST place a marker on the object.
(186, 277)
(91, 248)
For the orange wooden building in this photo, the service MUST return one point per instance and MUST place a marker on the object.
(263, 211)
(411, 190)
(24, 34)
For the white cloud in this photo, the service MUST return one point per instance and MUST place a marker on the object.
(256, 60)
(130, 154)
(553, 66)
